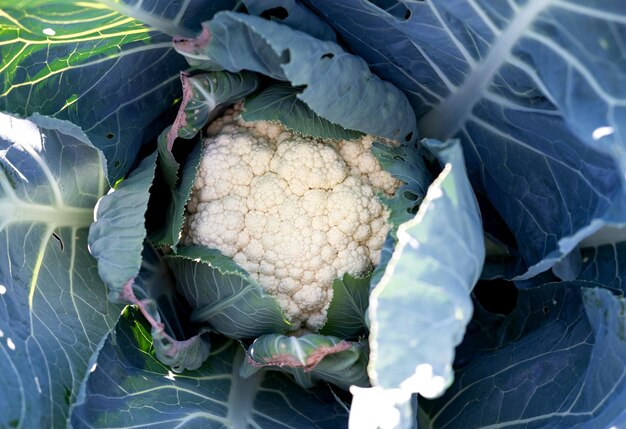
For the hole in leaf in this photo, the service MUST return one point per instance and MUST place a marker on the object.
(116, 163)
(279, 13)
(328, 56)
(59, 239)
(408, 137)
(546, 310)
(110, 135)
(410, 195)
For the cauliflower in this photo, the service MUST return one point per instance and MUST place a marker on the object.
(294, 211)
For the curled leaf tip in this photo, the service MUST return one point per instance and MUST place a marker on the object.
(128, 295)
(320, 353)
(181, 117)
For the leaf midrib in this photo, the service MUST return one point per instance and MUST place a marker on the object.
(446, 119)
(15, 212)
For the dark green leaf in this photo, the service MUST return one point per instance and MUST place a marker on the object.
(169, 233)
(605, 264)
(561, 365)
(280, 103)
(167, 163)
(346, 313)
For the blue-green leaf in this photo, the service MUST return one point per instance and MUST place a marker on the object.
(128, 387)
(605, 264)
(339, 87)
(53, 306)
(280, 103)
(293, 14)
(421, 306)
(223, 295)
(204, 94)
(177, 342)
(561, 365)
(135, 273)
(406, 163)
(116, 237)
(536, 92)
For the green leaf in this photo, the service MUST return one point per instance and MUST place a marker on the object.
(169, 233)
(129, 387)
(339, 87)
(280, 103)
(116, 237)
(204, 97)
(421, 306)
(223, 295)
(405, 163)
(167, 163)
(346, 313)
(136, 274)
(53, 306)
(310, 358)
(105, 65)
(206, 93)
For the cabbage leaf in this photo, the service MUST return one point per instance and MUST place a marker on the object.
(339, 87)
(125, 376)
(113, 61)
(53, 306)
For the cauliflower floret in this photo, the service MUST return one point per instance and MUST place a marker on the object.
(362, 162)
(294, 211)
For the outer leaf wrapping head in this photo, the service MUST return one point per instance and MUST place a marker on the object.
(339, 87)
(310, 358)
(223, 296)
(426, 285)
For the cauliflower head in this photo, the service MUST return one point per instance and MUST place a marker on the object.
(294, 211)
